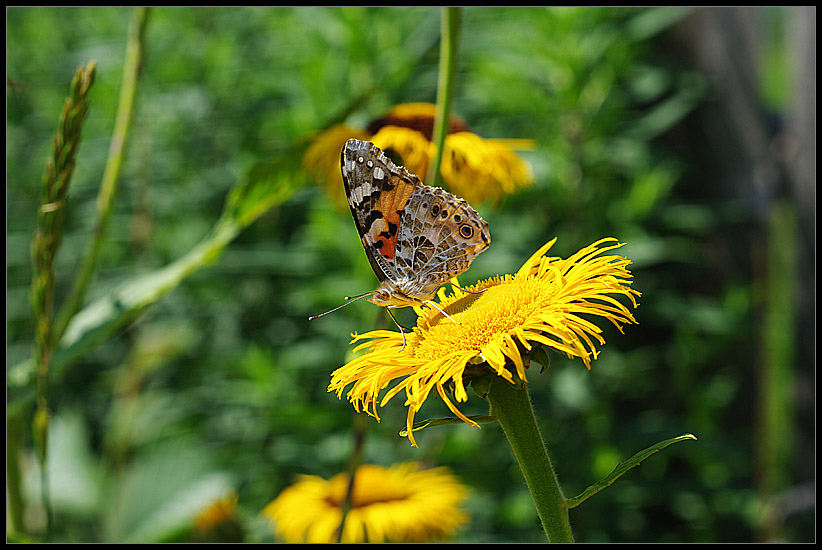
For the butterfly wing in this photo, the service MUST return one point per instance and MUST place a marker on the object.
(440, 235)
(377, 191)
(416, 237)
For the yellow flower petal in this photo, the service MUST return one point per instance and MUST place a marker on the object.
(474, 168)
(403, 503)
(321, 160)
(479, 169)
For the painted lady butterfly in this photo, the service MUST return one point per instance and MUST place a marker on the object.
(416, 237)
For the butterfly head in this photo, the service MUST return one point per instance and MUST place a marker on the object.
(389, 294)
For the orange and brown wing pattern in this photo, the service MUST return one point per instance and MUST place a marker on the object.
(377, 191)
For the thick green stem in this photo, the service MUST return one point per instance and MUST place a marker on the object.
(451, 19)
(512, 408)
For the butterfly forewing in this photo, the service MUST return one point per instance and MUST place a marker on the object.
(377, 192)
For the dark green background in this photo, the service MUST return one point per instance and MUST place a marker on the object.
(680, 132)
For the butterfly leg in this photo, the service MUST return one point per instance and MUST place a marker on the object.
(399, 326)
(438, 308)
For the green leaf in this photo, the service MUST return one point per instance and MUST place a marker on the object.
(652, 21)
(74, 472)
(689, 91)
(621, 468)
(162, 492)
(250, 198)
(268, 183)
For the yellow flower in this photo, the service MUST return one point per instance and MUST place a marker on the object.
(217, 522)
(403, 503)
(542, 304)
(407, 147)
(474, 168)
(477, 168)
(322, 159)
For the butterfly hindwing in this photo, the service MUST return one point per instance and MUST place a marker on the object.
(442, 235)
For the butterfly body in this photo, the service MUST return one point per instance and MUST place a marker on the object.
(416, 237)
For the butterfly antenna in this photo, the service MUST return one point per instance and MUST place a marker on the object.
(471, 291)
(348, 300)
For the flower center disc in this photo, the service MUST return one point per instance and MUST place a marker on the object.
(506, 305)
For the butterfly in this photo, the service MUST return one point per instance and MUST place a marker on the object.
(416, 237)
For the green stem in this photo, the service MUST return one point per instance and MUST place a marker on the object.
(14, 493)
(40, 430)
(512, 408)
(773, 449)
(111, 175)
(451, 19)
(360, 432)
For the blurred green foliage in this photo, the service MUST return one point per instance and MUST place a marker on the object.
(222, 383)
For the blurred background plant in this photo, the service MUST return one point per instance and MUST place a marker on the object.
(688, 134)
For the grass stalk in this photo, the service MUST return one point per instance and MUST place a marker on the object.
(111, 174)
(46, 244)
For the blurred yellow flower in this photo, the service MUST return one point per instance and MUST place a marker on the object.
(403, 503)
(541, 304)
(217, 522)
(474, 168)
(321, 159)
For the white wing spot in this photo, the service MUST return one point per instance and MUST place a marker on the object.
(370, 164)
(356, 194)
(360, 160)
(368, 189)
(379, 173)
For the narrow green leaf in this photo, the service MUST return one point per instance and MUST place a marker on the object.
(652, 21)
(111, 176)
(266, 184)
(104, 317)
(621, 468)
